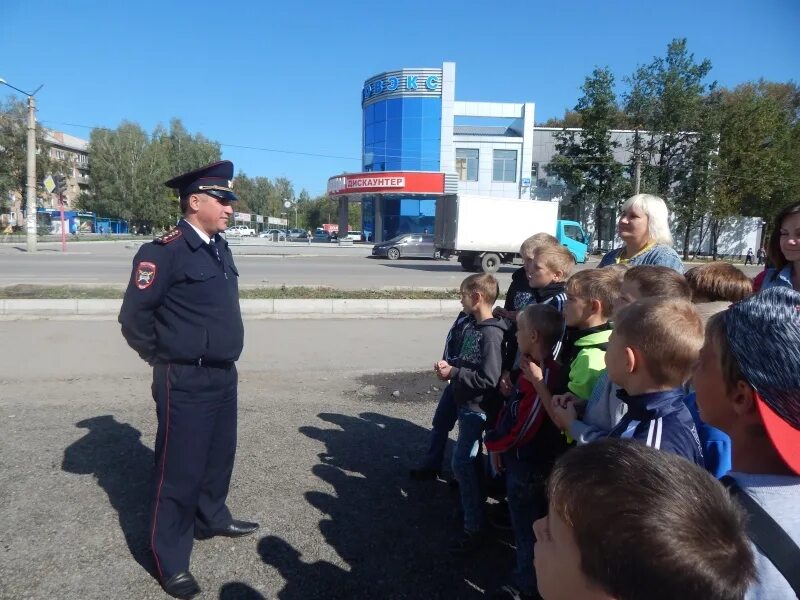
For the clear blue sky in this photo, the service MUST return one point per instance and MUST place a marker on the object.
(288, 75)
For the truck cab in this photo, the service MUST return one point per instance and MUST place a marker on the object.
(570, 234)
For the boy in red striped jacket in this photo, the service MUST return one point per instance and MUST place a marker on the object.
(525, 443)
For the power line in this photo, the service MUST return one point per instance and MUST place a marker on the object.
(574, 161)
(260, 148)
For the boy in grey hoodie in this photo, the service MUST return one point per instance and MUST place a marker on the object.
(474, 375)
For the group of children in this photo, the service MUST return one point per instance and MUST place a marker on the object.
(606, 404)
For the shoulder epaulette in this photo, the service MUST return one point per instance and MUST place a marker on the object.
(168, 237)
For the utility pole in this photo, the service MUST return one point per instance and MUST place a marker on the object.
(637, 171)
(30, 183)
(30, 179)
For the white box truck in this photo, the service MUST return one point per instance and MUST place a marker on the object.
(485, 232)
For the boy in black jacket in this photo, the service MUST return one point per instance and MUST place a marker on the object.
(473, 376)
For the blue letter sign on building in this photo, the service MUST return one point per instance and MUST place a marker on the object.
(416, 83)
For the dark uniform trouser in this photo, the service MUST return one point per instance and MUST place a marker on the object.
(194, 451)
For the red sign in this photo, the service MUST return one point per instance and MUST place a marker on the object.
(395, 182)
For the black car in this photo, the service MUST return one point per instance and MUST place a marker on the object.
(408, 245)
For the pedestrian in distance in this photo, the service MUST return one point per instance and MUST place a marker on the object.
(748, 259)
(308, 236)
(181, 314)
(761, 255)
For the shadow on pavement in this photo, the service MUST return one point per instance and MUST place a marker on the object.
(392, 533)
(122, 465)
(236, 590)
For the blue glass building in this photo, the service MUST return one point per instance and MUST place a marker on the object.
(402, 131)
(412, 127)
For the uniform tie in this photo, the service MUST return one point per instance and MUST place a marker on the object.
(215, 250)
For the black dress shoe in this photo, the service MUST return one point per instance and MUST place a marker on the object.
(234, 529)
(181, 585)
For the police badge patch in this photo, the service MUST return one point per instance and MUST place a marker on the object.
(145, 275)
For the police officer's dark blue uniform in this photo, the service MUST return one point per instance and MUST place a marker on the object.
(181, 314)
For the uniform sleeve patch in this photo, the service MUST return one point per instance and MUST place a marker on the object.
(170, 236)
(145, 275)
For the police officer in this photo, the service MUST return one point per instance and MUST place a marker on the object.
(181, 314)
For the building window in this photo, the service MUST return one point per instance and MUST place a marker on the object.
(505, 166)
(467, 164)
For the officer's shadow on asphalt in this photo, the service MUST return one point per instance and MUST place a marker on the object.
(122, 465)
(392, 533)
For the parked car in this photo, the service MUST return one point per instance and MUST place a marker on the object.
(416, 245)
(321, 236)
(241, 230)
(276, 235)
(295, 234)
(352, 235)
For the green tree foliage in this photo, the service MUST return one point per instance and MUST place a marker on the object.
(319, 210)
(13, 151)
(670, 100)
(571, 119)
(665, 99)
(695, 199)
(256, 195)
(127, 175)
(759, 152)
(184, 151)
(129, 167)
(585, 159)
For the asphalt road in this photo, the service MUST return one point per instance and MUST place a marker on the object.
(260, 264)
(322, 464)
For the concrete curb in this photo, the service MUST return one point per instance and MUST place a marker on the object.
(251, 309)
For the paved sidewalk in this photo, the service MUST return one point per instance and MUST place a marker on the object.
(323, 453)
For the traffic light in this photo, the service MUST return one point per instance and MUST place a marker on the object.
(61, 184)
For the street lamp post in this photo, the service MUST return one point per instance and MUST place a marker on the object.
(30, 179)
(287, 203)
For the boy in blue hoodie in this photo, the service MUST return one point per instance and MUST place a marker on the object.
(651, 354)
(473, 376)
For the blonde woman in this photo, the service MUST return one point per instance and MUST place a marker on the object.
(644, 229)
